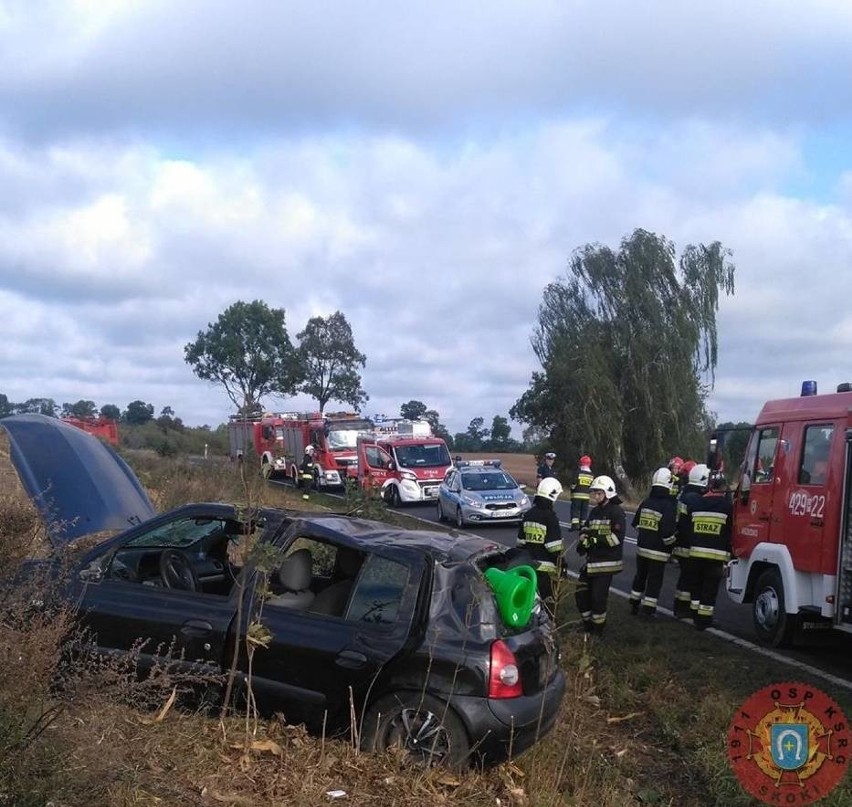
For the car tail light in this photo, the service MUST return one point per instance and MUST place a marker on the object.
(504, 678)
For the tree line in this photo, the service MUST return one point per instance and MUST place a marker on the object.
(626, 340)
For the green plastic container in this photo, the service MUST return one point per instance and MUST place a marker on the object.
(514, 590)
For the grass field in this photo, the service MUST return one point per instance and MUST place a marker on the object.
(521, 466)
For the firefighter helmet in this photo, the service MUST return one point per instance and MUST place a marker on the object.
(675, 464)
(717, 481)
(662, 478)
(687, 466)
(586, 461)
(699, 475)
(604, 484)
(549, 488)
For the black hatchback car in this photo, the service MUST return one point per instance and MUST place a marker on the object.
(400, 626)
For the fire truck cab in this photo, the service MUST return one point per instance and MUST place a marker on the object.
(404, 460)
(792, 536)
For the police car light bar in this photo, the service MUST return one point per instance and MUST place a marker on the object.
(479, 463)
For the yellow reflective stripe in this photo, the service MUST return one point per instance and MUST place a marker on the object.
(705, 610)
(650, 520)
(545, 566)
(681, 552)
(604, 566)
(652, 554)
(534, 532)
(599, 619)
(704, 523)
(708, 553)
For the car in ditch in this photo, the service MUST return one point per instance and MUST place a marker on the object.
(396, 631)
(480, 492)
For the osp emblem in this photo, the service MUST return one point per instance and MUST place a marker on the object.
(789, 744)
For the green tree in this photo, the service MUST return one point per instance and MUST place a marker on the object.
(500, 431)
(138, 413)
(732, 443)
(37, 406)
(80, 409)
(6, 408)
(248, 351)
(110, 412)
(329, 362)
(413, 410)
(628, 347)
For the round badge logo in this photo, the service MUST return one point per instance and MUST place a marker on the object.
(789, 743)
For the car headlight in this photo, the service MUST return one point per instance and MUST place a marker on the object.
(471, 502)
(408, 475)
(525, 501)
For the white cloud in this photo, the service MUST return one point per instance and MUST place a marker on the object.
(427, 169)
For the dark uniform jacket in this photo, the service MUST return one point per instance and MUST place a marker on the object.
(710, 527)
(689, 494)
(541, 535)
(544, 471)
(580, 488)
(655, 520)
(602, 538)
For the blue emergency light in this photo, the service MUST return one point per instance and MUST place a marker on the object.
(809, 388)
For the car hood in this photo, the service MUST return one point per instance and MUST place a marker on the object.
(79, 484)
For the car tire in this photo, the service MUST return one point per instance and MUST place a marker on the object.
(393, 496)
(441, 516)
(425, 727)
(773, 626)
(459, 518)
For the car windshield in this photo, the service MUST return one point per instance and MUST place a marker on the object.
(491, 480)
(344, 438)
(430, 455)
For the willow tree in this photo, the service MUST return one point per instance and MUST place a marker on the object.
(628, 348)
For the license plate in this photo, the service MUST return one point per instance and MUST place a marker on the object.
(502, 513)
(430, 493)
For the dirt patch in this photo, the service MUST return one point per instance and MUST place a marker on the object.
(521, 466)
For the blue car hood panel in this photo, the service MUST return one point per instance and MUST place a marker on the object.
(79, 484)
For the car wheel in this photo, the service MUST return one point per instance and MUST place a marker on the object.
(441, 516)
(772, 624)
(459, 518)
(427, 728)
(393, 496)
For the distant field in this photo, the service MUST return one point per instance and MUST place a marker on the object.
(521, 466)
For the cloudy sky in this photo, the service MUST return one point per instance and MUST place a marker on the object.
(424, 167)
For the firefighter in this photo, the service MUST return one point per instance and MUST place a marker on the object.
(682, 479)
(307, 469)
(690, 497)
(601, 542)
(655, 520)
(580, 492)
(545, 470)
(710, 548)
(541, 536)
(675, 465)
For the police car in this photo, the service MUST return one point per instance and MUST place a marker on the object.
(480, 491)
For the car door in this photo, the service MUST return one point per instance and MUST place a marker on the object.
(316, 663)
(130, 612)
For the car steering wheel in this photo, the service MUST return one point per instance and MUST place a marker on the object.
(176, 571)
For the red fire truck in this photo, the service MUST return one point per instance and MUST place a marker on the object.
(792, 535)
(105, 428)
(279, 440)
(404, 460)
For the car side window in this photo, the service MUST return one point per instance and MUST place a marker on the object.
(379, 591)
(766, 446)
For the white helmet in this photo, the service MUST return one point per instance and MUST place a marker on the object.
(662, 477)
(309, 449)
(605, 484)
(699, 476)
(549, 488)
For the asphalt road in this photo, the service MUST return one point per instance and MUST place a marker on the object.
(827, 651)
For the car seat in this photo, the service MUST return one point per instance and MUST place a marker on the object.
(333, 598)
(295, 575)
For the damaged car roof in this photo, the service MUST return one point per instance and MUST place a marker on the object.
(79, 484)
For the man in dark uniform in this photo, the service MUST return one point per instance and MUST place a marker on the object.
(580, 492)
(690, 497)
(710, 548)
(541, 537)
(601, 540)
(655, 520)
(545, 470)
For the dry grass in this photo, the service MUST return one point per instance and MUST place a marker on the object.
(521, 466)
(643, 721)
